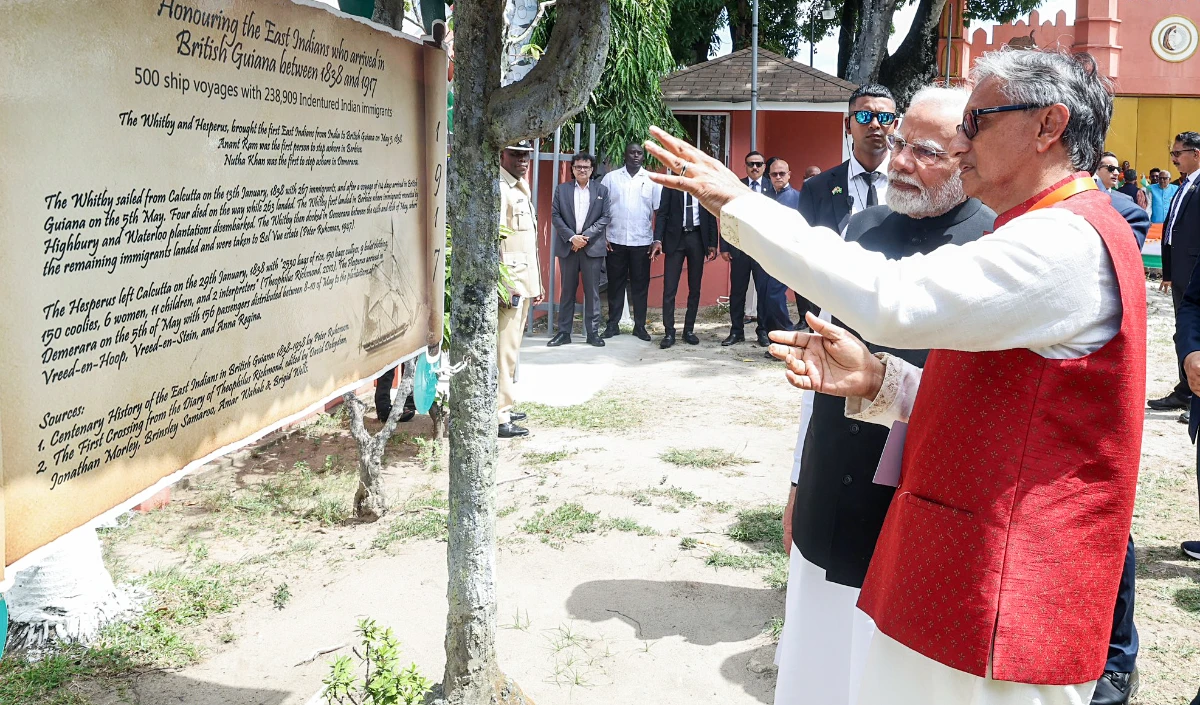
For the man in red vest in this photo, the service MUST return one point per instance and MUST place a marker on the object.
(1025, 426)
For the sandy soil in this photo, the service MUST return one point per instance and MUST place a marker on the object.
(610, 616)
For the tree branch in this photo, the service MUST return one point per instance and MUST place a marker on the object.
(561, 83)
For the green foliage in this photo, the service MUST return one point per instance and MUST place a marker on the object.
(384, 682)
(281, 596)
(562, 524)
(700, 457)
(696, 24)
(762, 530)
(421, 517)
(606, 411)
(629, 99)
(759, 526)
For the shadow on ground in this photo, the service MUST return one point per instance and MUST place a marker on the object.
(702, 613)
(1156, 562)
(165, 688)
(753, 671)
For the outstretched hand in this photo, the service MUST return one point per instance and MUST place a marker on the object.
(705, 178)
(829, 360)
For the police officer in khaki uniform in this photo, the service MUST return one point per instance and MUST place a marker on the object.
(518, 250)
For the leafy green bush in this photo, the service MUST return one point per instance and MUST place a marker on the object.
(384, 682)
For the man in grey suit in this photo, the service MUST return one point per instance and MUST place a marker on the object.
(580, 215)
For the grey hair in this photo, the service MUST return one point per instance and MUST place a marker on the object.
(951, 99)
(1044, 78)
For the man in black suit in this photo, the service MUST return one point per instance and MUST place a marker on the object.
(688, 233)
(742, 267)
(1180, 248)
(580, 215)
(831, 197)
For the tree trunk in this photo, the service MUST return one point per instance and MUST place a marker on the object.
(849, 30)
(914, 64)
(487, 118)
(66, 597)
(870, 47)
(370, 500)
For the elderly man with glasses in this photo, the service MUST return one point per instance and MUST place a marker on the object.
(836, 509)
(1025, 425)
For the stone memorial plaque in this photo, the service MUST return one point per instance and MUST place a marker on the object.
(214, 214)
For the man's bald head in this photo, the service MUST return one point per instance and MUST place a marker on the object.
(781, 174)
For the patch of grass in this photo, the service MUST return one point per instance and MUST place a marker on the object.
(323, 496)
(606, 411)
(629, 525)
(721, 506)
(420, 518)
(326, 424)
(641, 499)
(562, 524)
(52, 679)
(774, 628)
(518, 623)
(536, 459)
(700, 457)
(687, 543)
(758, 526)
(1187, 599)
(429, 453)
(505, 511)
(281, 596)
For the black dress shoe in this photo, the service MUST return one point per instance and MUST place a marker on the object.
(596, 341)
(511, 430)
(1171, 401)
(733, 339)
(516, 416)
(610, 332)
(640, 332)
(667, 341)
(1185, 418)
(690, 338)
(763, 340)
(559, 339)
(382, 413)
(1115, 688)
(1191, 549)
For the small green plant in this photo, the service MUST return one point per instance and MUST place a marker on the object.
(429, 453)
(629, 525)
(281, 596)
(764, 525)
(384, 682)
(774, 628)
(700, 457)
(535, 459)
(607, 411)
(687, 543)
(327, 424)
(562, 524)
(421, 517)
(505, 511)
(518, 623)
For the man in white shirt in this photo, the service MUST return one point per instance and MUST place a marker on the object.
(1180, 243)
(633, 198)
(977, 585)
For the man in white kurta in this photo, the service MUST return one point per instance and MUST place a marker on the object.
(1044, 282)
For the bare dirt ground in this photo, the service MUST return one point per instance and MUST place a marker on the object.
(637, 529)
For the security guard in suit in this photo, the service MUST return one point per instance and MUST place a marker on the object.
(518, 251)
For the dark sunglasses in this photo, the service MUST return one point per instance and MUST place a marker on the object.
(1110, 169)
(970, 123)
(779, 173)
(864, 117)
(755, 165)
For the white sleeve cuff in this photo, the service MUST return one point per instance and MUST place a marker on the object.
(896, 395)
(806, 408)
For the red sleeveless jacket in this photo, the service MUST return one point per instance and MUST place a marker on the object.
(1007, 534)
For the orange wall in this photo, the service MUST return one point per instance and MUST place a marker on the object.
(1141, 71)
(803, 140)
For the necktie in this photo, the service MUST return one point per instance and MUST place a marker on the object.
(687, 212)
(1172, 211)
(754, 186)
(872, 195)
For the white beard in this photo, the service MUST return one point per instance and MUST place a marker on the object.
(927, 202)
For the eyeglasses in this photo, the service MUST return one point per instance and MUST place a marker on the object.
(864, 117)
(1176, 153)
(780, 174)
(1110, 168)
(970, 123)
(925, 155)
(582, 167)
(755, 165)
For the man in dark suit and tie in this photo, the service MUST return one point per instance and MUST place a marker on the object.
(742, 267)
(1180, 249)
(688, 233)
(580, 214)
(831, 197)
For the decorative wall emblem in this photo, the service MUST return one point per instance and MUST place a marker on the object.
(1174, 39)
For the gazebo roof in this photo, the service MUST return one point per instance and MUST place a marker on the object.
(727, 79)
